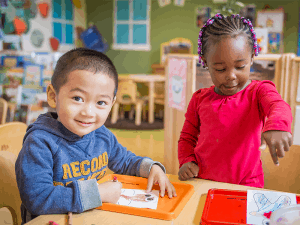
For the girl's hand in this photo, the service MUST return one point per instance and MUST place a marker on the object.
(188, 170)
(157, 175)
(110, 191)
(278, 142)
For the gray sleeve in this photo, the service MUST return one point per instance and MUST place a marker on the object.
(89, 194)
(146, 166)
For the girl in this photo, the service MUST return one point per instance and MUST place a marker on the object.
(221, 134)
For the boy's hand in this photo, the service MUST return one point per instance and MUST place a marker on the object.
(188, 170)
(110, 191)
(157, 175)
(278, 140)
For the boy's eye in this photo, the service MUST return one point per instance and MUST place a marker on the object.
(102, 103)
(220, 70)
(77, 99)
(241, 67)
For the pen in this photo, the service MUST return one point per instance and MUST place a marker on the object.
(115, 179)
(70, 218)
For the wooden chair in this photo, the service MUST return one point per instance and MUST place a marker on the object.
(3, 110)
(284, 177)
(159, 95)
(11, 137)
(9, 193)
(127, 95)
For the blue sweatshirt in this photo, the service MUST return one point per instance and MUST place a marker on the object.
(57, 170)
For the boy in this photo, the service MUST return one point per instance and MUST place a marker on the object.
(66, 152)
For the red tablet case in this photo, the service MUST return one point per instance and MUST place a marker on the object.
(226, 207)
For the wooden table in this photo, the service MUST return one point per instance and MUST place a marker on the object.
(191, 213)
(150, 79)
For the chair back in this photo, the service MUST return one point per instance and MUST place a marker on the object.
(11, 136)
(9, 192)
(127, 92)
(3, 110)
(284, 177)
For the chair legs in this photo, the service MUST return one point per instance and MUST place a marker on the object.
(131, 112)
(138, 114)
(115, 111)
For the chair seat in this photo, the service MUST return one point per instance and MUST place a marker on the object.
(160, 101)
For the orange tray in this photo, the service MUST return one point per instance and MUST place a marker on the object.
(167, 209)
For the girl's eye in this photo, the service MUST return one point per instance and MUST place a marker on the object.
(102, 103)
(77, 99)
(221, 70)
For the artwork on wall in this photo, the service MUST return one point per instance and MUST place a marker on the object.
(273, 20)
(179, 2)
(262, 40)
(203, 13)
(33, 74)
(163, 3)
(275, 43)
(177, 83)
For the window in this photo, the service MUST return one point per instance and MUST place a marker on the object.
(63, 25)
(132, 25)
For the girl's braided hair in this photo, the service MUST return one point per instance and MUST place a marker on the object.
(232, 26)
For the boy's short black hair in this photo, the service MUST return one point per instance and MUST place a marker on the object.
(82, 59)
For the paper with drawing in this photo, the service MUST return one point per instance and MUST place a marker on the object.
(139, 198)
(261, 202)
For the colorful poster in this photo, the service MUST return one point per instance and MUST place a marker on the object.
(179, 2)
(33, 74)
(163, 3)
(274, 45)
(271, 19)
(177, 83)
(262, 40)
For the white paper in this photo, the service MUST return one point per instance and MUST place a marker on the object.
(139, 198)
(260, 202)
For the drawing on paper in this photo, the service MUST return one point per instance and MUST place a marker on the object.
(139, 198)
(262, 203)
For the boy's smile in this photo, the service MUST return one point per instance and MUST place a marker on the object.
(84, 102)
(229, 64)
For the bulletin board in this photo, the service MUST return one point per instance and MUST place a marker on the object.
(273, 20)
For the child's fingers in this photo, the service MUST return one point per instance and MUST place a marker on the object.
(290, 139)
(286, 146)
(195, 170)
(190, 172)
(280, 150)
(162, 187)
(150, 184)
(171, 190)
(273, 153)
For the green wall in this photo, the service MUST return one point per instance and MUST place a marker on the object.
(173, 21)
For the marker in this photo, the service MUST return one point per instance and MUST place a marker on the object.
(115, 179)
(69, 218)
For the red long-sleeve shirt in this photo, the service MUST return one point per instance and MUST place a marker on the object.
(222, 134)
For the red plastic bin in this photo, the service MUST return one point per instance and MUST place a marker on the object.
(224, 207)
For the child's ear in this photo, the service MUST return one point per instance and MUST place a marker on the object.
(51, 96)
